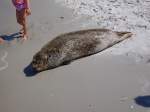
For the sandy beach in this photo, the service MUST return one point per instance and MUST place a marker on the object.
(106, 82)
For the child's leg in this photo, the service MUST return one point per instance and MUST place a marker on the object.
(18, 17)
(21, 19)
(25, 35)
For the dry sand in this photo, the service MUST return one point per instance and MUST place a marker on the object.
(99, 83)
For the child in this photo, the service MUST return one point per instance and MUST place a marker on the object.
(22, 11)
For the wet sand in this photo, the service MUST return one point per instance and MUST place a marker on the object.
(102, 82)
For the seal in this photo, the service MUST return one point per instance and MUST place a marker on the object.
(74, 45)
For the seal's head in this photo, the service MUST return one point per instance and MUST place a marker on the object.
(40, 61)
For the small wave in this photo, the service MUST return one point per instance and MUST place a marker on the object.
(4, 61)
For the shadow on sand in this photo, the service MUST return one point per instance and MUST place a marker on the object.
(30, 71)
(143, 101)
(11, 37)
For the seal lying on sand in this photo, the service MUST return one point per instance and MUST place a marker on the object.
(70, 46)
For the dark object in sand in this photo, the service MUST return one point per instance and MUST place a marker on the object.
(143, 101)
(61, 17)
(30, 71)
(74, 45)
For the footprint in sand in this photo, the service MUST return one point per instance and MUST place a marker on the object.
(3, 60)
(145, 84)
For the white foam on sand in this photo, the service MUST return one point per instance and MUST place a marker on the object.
(3, 60)
(119, 15)
(145, 84)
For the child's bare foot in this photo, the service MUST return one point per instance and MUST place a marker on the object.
(1, 41)
(25, 37)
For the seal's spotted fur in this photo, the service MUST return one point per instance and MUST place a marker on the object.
(70, 46)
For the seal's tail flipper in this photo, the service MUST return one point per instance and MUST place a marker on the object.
(124, 35)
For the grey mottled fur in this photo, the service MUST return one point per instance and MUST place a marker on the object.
(70, 46)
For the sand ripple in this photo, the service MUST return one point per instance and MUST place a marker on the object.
(3, 59)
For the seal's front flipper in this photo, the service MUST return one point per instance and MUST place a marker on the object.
(66, 62)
